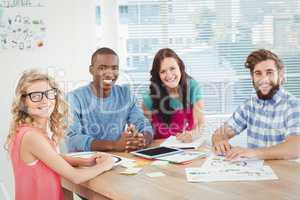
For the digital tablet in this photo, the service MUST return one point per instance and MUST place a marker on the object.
(156, 152)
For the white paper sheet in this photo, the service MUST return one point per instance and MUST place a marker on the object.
(219, 162)
(296, 160)
(83, 154)
(160, 163)
(117, 159)
(173, 142)
(237, 174)
(131, 171)
(183, 157)
(155, 174)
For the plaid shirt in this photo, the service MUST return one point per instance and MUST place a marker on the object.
(267, 122)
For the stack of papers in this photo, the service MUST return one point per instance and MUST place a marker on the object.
(173, 142)
(216, 168)
(183, 157)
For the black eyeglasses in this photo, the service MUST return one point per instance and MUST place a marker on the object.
(38, 96)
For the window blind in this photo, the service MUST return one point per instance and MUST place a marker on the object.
(213, 37)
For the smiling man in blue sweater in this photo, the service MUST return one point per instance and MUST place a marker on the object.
(101, 111)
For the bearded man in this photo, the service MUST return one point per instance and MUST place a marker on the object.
(271, 117)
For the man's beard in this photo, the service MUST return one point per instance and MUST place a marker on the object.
(268, 96)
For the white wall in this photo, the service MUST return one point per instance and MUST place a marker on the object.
(70, 42)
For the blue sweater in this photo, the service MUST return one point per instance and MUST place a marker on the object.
(102, 118)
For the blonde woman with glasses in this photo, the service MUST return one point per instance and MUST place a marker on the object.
(38, 123)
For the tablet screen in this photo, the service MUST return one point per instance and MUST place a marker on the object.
(157, 151)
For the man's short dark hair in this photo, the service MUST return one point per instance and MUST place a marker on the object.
(101, 51)
(262, 55)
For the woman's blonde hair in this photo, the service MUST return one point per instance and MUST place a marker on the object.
(58, 118)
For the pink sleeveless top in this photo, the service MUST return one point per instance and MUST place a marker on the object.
(181, 120)
(34, 182)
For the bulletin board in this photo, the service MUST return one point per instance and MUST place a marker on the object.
(22, 25)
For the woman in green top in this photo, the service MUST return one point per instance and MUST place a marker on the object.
(174, 105)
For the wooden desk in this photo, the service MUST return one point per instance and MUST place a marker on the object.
(173, 186)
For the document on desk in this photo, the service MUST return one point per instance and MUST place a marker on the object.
(173, 142)
(230, 174)
(183, 157)
(216, 168)
(87, 154)
(219, 162)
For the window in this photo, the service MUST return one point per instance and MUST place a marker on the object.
(123, 14)
(98, 15)
(213, 37)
